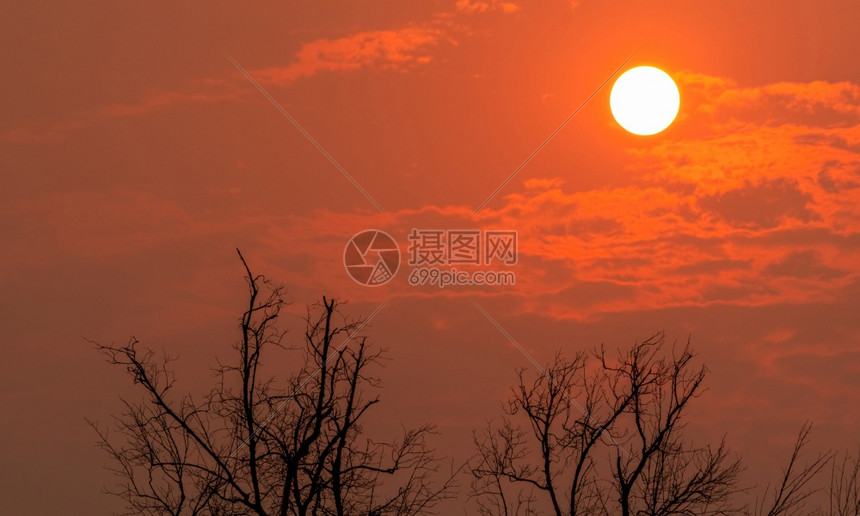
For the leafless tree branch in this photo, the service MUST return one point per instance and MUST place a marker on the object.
(286, 444)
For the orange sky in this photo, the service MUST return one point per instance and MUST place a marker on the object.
(136, 158)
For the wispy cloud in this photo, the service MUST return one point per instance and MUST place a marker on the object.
(754, 202)
(208, 91)
(396, 49)
(754, 187)
(482, 6)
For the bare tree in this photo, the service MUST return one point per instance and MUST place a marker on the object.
(656, 470)
(563, 430)
(596, 426)
(257, 445)
(844, 492)
(795, 489)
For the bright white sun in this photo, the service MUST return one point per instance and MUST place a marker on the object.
(644, 100)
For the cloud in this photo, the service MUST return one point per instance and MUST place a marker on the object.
(786, 143)
(786, 101)
(724, 209)
(764, 205)
(208, 91)
(396, 49)
(713, 266)
(835, 177)
(478, 6)
(818, 103)
(803, 264)
(162, 100)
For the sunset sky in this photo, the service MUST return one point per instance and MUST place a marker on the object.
(136, 157)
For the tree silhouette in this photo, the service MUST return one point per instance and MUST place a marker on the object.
(844, 492)
(608, 440)
(599, 436)
(259, 444)
(792, 493)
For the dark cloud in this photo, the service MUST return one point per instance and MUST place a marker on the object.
(739, 293)
(803, 264)
(589, 294)
(802, 236)
(832, 179)
(760, 206)
(713, 266)
(831, 140)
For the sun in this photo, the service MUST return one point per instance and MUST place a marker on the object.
(644, 100)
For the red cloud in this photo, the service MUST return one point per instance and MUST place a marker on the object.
(756, 186)
(390, 49)
(727, 212)
(472, 6)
